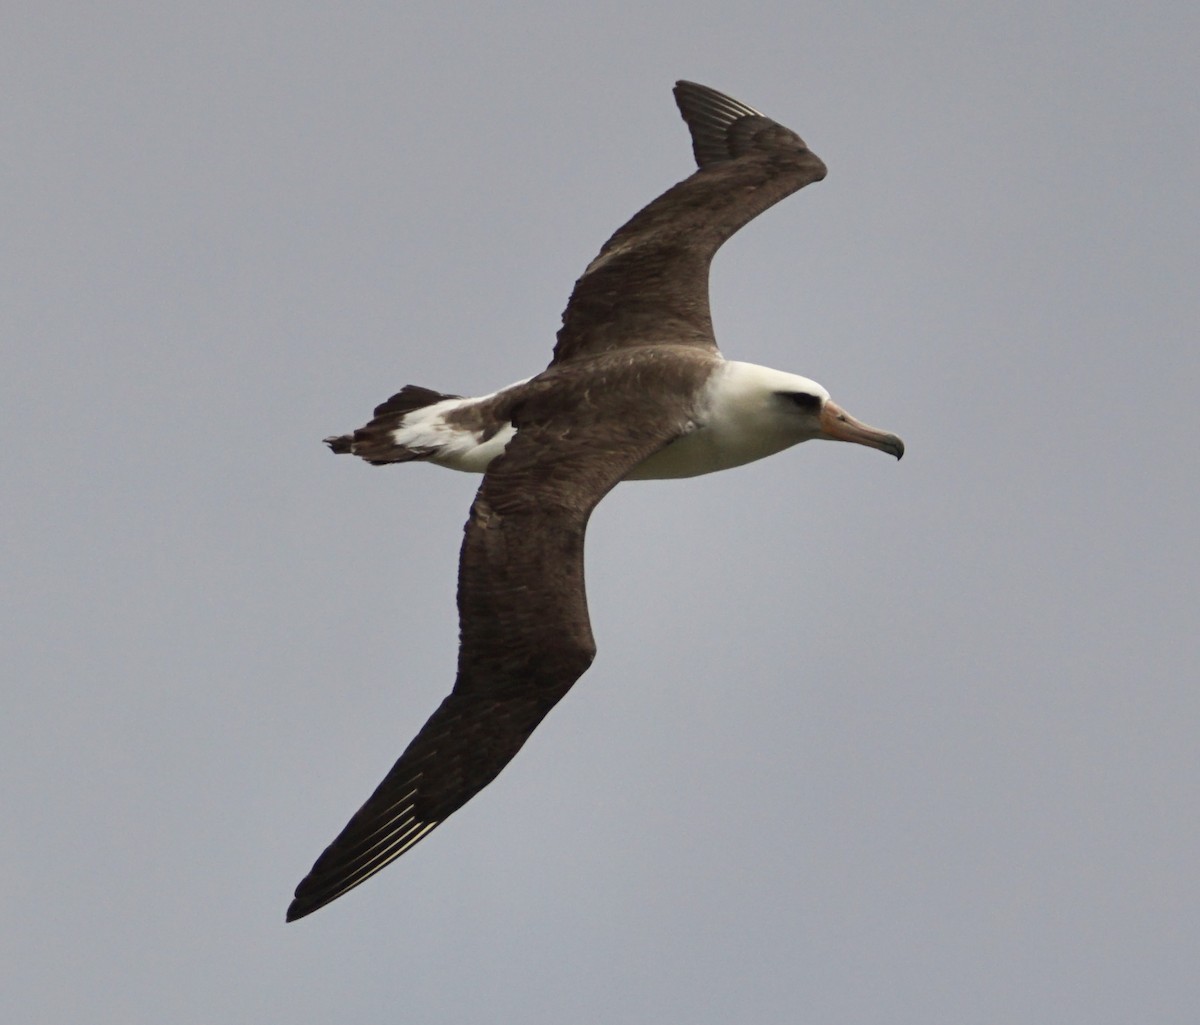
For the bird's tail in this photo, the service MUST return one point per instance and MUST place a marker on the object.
(382, 440)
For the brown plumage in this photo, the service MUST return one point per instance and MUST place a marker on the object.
(649, 282)
(630, 366)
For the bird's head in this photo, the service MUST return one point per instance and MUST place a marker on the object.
(803, 409)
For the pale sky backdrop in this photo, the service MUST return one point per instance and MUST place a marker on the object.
(865, 741)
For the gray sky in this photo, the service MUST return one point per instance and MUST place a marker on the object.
(864, 741)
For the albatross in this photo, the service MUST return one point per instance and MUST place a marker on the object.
(636, 390)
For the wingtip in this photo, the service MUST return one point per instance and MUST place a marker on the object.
(711, 117)
(296, 911)
(305, 901)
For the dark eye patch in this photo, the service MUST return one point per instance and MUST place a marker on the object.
(803, 399)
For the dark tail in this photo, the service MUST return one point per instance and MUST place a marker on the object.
(375, 442)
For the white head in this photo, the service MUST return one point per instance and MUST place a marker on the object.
(792, 409)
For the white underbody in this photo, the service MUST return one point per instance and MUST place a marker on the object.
(739, 418)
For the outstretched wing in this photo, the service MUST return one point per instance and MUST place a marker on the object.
(649, 284)
(525, 634)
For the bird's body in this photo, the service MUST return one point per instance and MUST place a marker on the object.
(637, 389)
(732, 418)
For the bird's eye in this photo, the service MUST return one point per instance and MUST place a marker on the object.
(804, 399)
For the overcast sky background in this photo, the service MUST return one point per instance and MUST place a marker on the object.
(865, 741)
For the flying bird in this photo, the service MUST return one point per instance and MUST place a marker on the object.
(636, 390)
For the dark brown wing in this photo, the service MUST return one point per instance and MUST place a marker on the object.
(525, 634)
(650, 282)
